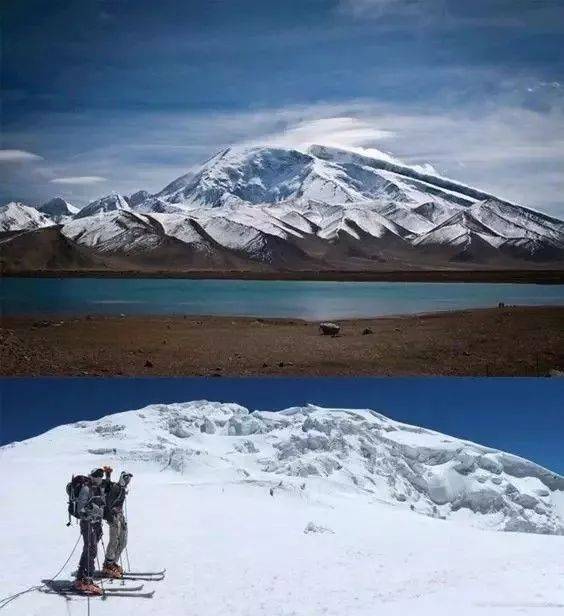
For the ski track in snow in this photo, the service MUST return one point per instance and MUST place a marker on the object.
(322, 544)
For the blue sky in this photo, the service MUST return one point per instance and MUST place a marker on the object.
(102, 95)
(522, 416)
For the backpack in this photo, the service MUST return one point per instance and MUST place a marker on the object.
(73, 490)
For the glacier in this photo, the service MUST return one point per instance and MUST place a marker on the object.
(305, 511)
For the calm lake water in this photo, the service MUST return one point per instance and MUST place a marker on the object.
(296, 299)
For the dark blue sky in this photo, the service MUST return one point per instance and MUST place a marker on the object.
(102, 95)
(523, 416)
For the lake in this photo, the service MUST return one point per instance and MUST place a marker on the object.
(312, 300)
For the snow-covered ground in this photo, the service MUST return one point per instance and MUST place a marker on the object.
(305, 512)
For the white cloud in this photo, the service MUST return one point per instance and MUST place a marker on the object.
(18, 156)
(369, 5)
(83, 180)
(377, 8)
(340, 131)
(357, 134)
(529, 14)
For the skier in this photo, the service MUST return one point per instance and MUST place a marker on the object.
(114, 516)
(90, 510)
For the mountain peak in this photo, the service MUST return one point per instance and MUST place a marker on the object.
(466, 220)
(255, 174)
(249, 174)
(58, 209)
(138, 197)
(109, 203)
(16, 216)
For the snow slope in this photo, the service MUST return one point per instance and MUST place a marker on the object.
(115, 231)
(15, 216)
(309, 511)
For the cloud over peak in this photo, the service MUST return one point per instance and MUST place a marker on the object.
(18, 156)
(79, 180)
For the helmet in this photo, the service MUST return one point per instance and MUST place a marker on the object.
(125, 478)
(97, 475)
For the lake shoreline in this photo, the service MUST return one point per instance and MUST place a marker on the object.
(509, 341)
(533, 276)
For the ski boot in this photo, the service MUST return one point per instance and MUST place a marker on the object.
(87, 587)
(112, 570)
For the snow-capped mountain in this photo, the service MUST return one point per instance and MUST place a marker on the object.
(268, 175)
(137, 197)
(123, 233)
(310, 510)
(109, 203)
(116, 231)
(58, 210)
(327, 208)
(15, 216)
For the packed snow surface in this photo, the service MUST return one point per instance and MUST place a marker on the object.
(306, 511)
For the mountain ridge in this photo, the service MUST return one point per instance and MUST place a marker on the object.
(322, 208)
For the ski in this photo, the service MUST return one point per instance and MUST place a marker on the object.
(67, 586)
(161, 572)
(128, 575)
(132, 574)
(124, 588)
(105, 595)
(145, 578)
